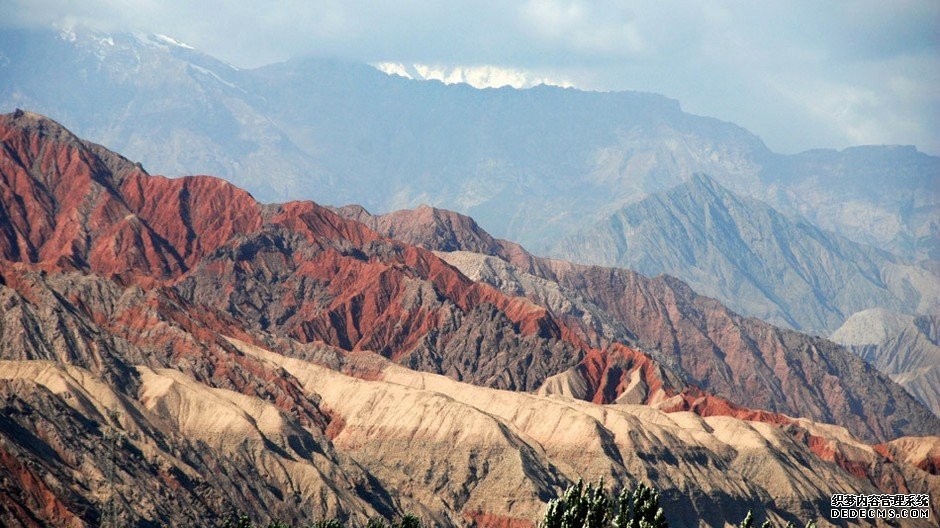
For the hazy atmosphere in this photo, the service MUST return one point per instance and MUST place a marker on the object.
(799, 74)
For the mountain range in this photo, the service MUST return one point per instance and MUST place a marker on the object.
(531, 165)
(133, 279)
(544, 166)
(174, 351)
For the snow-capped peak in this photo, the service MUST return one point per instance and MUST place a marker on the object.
(480, 76)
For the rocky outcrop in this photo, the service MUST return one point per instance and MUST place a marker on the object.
(711, 468)
(125, 280)
(905, 347)
(202, 242)
(78, 453)
(748, 361)
(71, 205)
(295, 270)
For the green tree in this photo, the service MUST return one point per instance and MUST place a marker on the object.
(579, 507)
(598, 506)
(408, 521)
(647, 512)
(748, 522)
(376, 522)
(242, 521)
(590, 507)
(624, 505)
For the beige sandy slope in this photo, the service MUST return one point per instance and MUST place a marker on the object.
(256, 438)
(469, 444)
(455, 452)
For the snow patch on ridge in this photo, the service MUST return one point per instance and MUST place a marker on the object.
(155, 40)
(480, 76)
(171, 41)
(210, 73)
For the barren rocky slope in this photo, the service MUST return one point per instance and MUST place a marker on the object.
(67, 208)
(887, 197)
(104, 270)
(905, 347)
(709, 465)
(742, 359)
(455, 454)
(245, 357)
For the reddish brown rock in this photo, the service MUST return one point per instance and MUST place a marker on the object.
(489, 520)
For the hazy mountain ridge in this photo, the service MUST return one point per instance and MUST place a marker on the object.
(532, 165)
(169, 106)
(887, 197)
(756, 260)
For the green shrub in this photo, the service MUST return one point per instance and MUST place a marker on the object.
(748, 522)
(408, 521)
(325, 523)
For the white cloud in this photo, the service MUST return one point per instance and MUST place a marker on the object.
(480, 76)
(393, 68)
(892, 103)
(849, 111)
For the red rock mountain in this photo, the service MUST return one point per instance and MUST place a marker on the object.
(295, 270)
(172, 351)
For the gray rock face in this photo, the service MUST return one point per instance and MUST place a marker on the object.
(753, 258)
(905, 347)
(887, 196)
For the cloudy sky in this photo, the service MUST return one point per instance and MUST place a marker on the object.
(800, 74)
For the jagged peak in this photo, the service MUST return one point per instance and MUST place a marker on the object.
(29, 121)
(702, 180)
